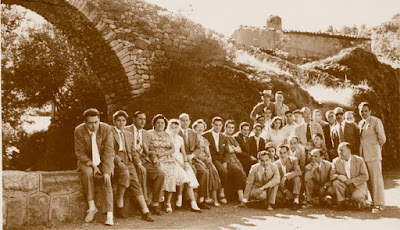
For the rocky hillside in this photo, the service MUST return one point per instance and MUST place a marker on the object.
(372, 81)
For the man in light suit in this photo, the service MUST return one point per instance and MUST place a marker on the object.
(242, 137)
(126, 162)
(290, 173)
(154, 176)
(372, 139)
(263, 181)
(346, 131)
(218, 147)
(349, 174)
(307, 129)
(93, 143)
(192, 149)
(297, 151)
(317, 178)
(257, 143)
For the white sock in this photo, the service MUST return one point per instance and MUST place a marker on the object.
(201, 199)
(109, 215)
(179, 200)
(92, 206)
(296, 200)
(194, 205)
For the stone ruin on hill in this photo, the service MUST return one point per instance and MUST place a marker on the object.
(298, 44)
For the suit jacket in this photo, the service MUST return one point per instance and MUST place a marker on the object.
(358, 171)
(321, 175)
(253, 146)
(301, 131)
(245, 146)
(130, 154)
(217, 155)
(351, 134)
(256, 176)
(301, 157)
(326, 129)
(292, 168)
(104, 139)
(144, 154)
(372, 138)
(193, 143)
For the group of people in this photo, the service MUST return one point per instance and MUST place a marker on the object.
(286, 158)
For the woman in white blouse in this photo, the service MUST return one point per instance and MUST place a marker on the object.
(275, 133)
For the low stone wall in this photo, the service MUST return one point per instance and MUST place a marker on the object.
(44, 198)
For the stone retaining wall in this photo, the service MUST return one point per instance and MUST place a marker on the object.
(43, 198)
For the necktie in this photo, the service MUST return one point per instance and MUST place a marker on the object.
(138, 140)
(362, 126)
(265, 178)
(95, 150)
(121, 141)
(308, 132)
(257, 142)
(185, 134)
(341, 133)
(217, 141)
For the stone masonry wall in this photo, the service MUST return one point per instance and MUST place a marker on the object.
(296, 43)
(45, 199)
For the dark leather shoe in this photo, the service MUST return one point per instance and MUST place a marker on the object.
(155, 210)
(147, 217)
(196, 210)
(120, 212)
(203, 205)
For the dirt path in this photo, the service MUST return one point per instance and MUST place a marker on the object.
(230, 217)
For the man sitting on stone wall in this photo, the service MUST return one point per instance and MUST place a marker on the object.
(93, 141)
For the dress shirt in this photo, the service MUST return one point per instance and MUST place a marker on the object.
(347, 167)
(216, 139)
(95, 150)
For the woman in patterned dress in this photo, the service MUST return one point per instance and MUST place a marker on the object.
(204, 158)
(182, 160)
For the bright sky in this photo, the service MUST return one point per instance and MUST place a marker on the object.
(225, 16)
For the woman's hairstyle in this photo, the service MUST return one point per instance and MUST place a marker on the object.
(172, 122)
(197, 122)
(273, 121)
(266, 153)
(120, 113)
(157, 117)
(230, 122)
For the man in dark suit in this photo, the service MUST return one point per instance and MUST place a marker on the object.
(218, 146)
(257, 143)
(93, 142)
(154, 176)
(126, 162)
(333, 141)
(347, 131)
(242, 137)
(192, 149)
(317, 117)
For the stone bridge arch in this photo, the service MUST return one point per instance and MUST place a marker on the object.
(123, 39)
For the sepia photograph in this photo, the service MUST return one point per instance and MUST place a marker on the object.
(200, 114)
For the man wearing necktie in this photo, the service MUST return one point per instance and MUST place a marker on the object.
(153, 177)
(346, 131)
(349, 174)
(257, 143)
(372, 139)
(94, 149)
(263, 180)
(126, 163)
(317, 178)
(192, 148)
(242, 137)
(307, 129)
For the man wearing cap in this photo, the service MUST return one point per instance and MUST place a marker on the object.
(346, 131)
(265, 102)
(317, 178)
(372, 139)
(94, 148)
(279, 107)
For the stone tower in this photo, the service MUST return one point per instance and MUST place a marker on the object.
(274, 22)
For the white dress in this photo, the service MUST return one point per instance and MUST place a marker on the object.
(278, 137)
(189, 174)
